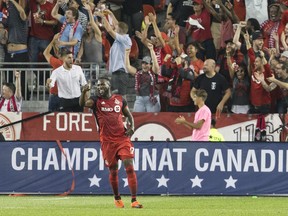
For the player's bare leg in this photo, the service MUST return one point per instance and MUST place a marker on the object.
(132, 182)
(113, 178)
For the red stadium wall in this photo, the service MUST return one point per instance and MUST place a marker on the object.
(148, 127)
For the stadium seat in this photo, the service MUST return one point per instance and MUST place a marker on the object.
(148, 9)
(134, 53)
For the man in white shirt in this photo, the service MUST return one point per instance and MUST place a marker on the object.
(11, 97)
(70, 78)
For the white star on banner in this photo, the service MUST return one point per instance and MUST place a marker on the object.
(125, 182)
(94, 181)
(230, 182)
(162, 181)
(196, 182)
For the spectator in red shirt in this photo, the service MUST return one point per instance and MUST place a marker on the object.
(203, 36)
(42, 24)
(260, 86)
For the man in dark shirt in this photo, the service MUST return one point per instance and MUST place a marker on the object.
(215, 85)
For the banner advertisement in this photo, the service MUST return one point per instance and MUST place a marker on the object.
(180, 168)
(148, 127)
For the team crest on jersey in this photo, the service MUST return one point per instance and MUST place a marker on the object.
(117, 108)
(117, 101)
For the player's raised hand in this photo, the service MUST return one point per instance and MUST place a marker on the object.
(86, 88)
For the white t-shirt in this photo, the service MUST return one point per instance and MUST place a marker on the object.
(68, 81)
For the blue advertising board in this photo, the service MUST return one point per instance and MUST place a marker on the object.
(182, 168)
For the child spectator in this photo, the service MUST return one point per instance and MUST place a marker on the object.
(202, 119)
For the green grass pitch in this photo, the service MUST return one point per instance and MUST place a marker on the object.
(33, 205)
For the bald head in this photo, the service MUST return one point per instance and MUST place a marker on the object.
(209, 66)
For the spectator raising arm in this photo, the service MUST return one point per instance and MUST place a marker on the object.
(281, 84)
(18, 93)
(144, 33)
(20, 7)
(55, 10)
(211, 10)
(229, 10)
(108, 27)
(97, 31)
(237, 34)
(47, 52)
(153, 20)
(132, 70)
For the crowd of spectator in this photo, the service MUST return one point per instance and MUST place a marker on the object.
(237, 51)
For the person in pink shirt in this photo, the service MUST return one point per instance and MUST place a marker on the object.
(202, 119)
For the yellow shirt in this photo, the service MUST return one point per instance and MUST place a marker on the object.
(215, 136)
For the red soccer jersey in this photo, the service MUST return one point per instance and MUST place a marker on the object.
(108, 113)
(204, 19)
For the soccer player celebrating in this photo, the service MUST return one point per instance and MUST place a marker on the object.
(114, 138)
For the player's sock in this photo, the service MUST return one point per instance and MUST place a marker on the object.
(132, 180)
(113, 178)
(133, 199)
(117, 197)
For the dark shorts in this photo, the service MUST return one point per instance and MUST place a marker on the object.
(114, 151)
(264, 109)
(119, 82)
(70, 105)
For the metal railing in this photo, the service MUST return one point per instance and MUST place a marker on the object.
(36, 74)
